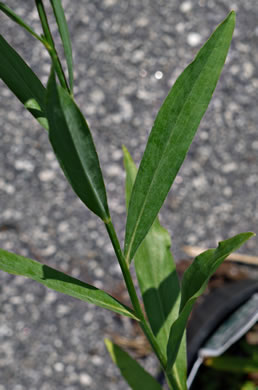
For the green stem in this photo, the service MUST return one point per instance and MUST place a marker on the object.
(133, 295)
(50, 45)
(9, 12)
(124, 268)
(172, 382)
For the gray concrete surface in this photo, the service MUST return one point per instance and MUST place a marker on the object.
(127, 55)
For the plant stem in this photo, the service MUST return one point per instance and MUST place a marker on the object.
(50, 45)
(9, 12)
(172, 382)
(133, 295)
(124, 269)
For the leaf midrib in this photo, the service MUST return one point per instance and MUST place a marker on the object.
(99, 201)
(72, 290)
(159, 162)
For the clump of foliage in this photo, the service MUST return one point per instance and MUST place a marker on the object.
(167, 303)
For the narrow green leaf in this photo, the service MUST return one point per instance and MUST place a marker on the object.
(231, 364)
(58, 281)
(173, 132)
(131, 172)
(65, 37)
(206, 264)
(193, 284)
(17, 19)
(73, 145)
(50, 44)
(133, 373)
(158, 280)
(22, 81)
(159, 284)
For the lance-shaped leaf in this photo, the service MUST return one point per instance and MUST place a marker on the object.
(73, 145)
(173, 132)
(58, 281)
(193, 284)
(158, 281)
(22, 81)
(65, 37)
(133, 373)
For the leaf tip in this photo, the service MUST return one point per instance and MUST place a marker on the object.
(126, 153)
(107, 342)
(250, 234)
(110, 348)
(124, 148)
(232, 16)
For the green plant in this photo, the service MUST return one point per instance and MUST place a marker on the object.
(167, 304)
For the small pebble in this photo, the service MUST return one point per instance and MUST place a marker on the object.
(46, 175)
(97, 96)
(85, 379)
(24, 165)
(255, 145)
(194, 39)
(230, 167)
(158, 75)
(59, 367)
(186, 6)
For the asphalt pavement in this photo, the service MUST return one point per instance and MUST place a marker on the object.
(127, 55)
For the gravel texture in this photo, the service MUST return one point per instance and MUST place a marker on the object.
(127, 55)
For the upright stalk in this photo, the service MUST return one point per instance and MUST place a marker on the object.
(173, 382)
(50, 45)
(125, 271)
(135, 300)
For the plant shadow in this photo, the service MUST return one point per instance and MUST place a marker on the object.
(50, 273)
(165, 297)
